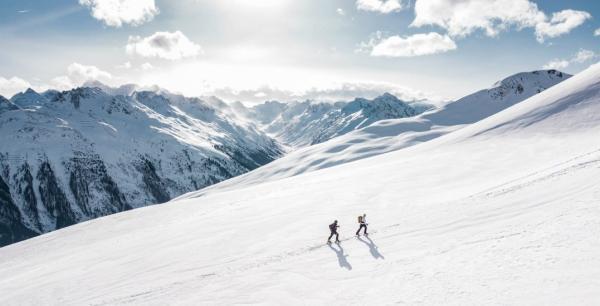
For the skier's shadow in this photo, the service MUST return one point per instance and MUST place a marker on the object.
(372, 247)
(343, 262)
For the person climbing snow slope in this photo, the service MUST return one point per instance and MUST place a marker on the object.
(362, 220)
(333, 228)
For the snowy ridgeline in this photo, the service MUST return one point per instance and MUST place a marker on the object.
(300, 124)
(72, 156)
(501, 211)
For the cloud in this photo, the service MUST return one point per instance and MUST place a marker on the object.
(115, 13)
(583, 56)
(597, 32)
(77, 74)
(81, 73)
(329, 93)
(340, 12)
(380, 6)
(166, 45)
(463, 17)
(126, 65)
(146, 66)
(561, 23)
(557, 64)
(9, 87)
(409, 46)
(580, 57)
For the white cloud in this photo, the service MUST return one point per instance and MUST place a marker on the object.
(580, 57)
(381, 6)
(557, 64)
(340, 12)
(115, 13)
(77, 74)
(62, 83)
(9, 87)
(597, 32)
(146, 66)
(462, 17)
(409, 46)
(561, 23)
(126, 65)
(81, 73)
(166, 45)
(583, 56)
(328, 93)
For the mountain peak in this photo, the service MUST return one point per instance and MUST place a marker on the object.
(28, 98)
(538, 76)
(30, 91)
(387, 95)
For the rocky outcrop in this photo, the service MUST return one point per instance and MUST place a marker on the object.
(11, 227)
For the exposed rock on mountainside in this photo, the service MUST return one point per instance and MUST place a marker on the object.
(75, 155)
(306, 123)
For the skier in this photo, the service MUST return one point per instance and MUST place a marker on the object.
(333, 228)
(362, 220)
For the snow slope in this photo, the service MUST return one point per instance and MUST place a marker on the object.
(504, 211)
(394, 134)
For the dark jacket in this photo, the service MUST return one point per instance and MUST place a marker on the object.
(333, 227)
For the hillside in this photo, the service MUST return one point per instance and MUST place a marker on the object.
(86, 153)
(504, 210)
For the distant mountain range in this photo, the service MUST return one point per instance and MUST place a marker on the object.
(393, 134)
(80, 154)
(300, 124)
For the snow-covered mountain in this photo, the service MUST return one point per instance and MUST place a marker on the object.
(502, 211)
(390, 135)
(71, 156)
(300, 124)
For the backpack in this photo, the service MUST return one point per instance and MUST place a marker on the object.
(360, 219)
(332, 227)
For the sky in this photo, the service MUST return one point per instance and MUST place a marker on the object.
(256, 50)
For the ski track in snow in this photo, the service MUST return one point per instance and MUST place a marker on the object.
(515, 185)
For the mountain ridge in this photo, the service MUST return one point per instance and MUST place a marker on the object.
(83, 153)
(391, 135)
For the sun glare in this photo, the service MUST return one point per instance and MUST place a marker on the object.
(258, 4)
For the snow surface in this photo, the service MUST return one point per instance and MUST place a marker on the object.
(390, 135)
(504, 211)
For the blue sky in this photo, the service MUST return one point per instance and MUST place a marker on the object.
(260, 49)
